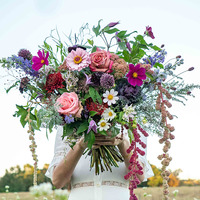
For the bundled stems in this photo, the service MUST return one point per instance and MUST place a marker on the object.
(104, 157)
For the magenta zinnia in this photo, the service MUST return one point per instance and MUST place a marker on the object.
(40, 60)
(77, 60)
(136, 74)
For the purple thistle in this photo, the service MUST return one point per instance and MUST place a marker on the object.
(69, 119)
(107, 81)
(92, 126)
(24, 53)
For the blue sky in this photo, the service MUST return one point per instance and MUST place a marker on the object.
(175, 23)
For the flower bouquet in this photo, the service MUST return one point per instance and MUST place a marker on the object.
(92, 90)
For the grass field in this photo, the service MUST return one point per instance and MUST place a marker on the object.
(184, 193)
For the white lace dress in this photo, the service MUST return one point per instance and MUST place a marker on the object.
(85, 185)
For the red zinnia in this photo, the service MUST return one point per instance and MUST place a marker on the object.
(94, 106)
(54, 81)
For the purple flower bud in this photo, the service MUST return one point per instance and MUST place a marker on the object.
(112, 24)
(149, 32)
(128, 46)
(118, 39)
(191, 68)
(188, 92)
(162, 45)
(178, 56)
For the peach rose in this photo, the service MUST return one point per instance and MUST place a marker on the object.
(69, 104)
(100, 61)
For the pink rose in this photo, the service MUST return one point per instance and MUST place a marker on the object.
(100, 61)
(68, 104)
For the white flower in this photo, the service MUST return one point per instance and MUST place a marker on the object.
(42, 189)
(108, 114)
(103, 125)
(61, 194)
(129, 112)
(110, 97)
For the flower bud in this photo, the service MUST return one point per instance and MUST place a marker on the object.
(112, 24)
(191, 68)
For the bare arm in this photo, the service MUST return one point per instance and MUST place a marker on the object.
(63, 172)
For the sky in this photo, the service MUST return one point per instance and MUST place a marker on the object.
(175, 23)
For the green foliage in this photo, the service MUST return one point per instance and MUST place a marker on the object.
(19, 180)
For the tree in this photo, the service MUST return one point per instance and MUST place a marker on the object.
(20, 180)
(156, 180)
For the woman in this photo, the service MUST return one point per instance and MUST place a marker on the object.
(72, 167)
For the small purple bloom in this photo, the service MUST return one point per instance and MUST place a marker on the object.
(92, 126)
(69, 119)
(112, 24)
(88, 79)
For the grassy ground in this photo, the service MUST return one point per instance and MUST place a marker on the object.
(185, 193)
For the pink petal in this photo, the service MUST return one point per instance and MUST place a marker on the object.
(141, 71)
(143, 76)
(139, 82)
(47, 55)
(131, 66)
(40, 54)
(35, 59)
(132, 81)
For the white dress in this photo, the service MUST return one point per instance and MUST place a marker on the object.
(85, 185)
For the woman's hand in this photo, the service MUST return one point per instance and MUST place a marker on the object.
(101, 140)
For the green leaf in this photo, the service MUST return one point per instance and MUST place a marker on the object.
(96, 30)
(141, 39)
(62, 90)
(114, 131)
(94, 49)
(103, 132)
(90, 138)
(114, 30)
(87, 96)
(98, 97)
(67, 130)
(122, 45)
(83, 127)
(92, 93)
(12, 86)
(127, 35)
(92, 113)
(154, 47)
(158, 65)
(120, 116)
(130, 134)
(121, 34)
(150, 76)
(91, 42)
(126, 55)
